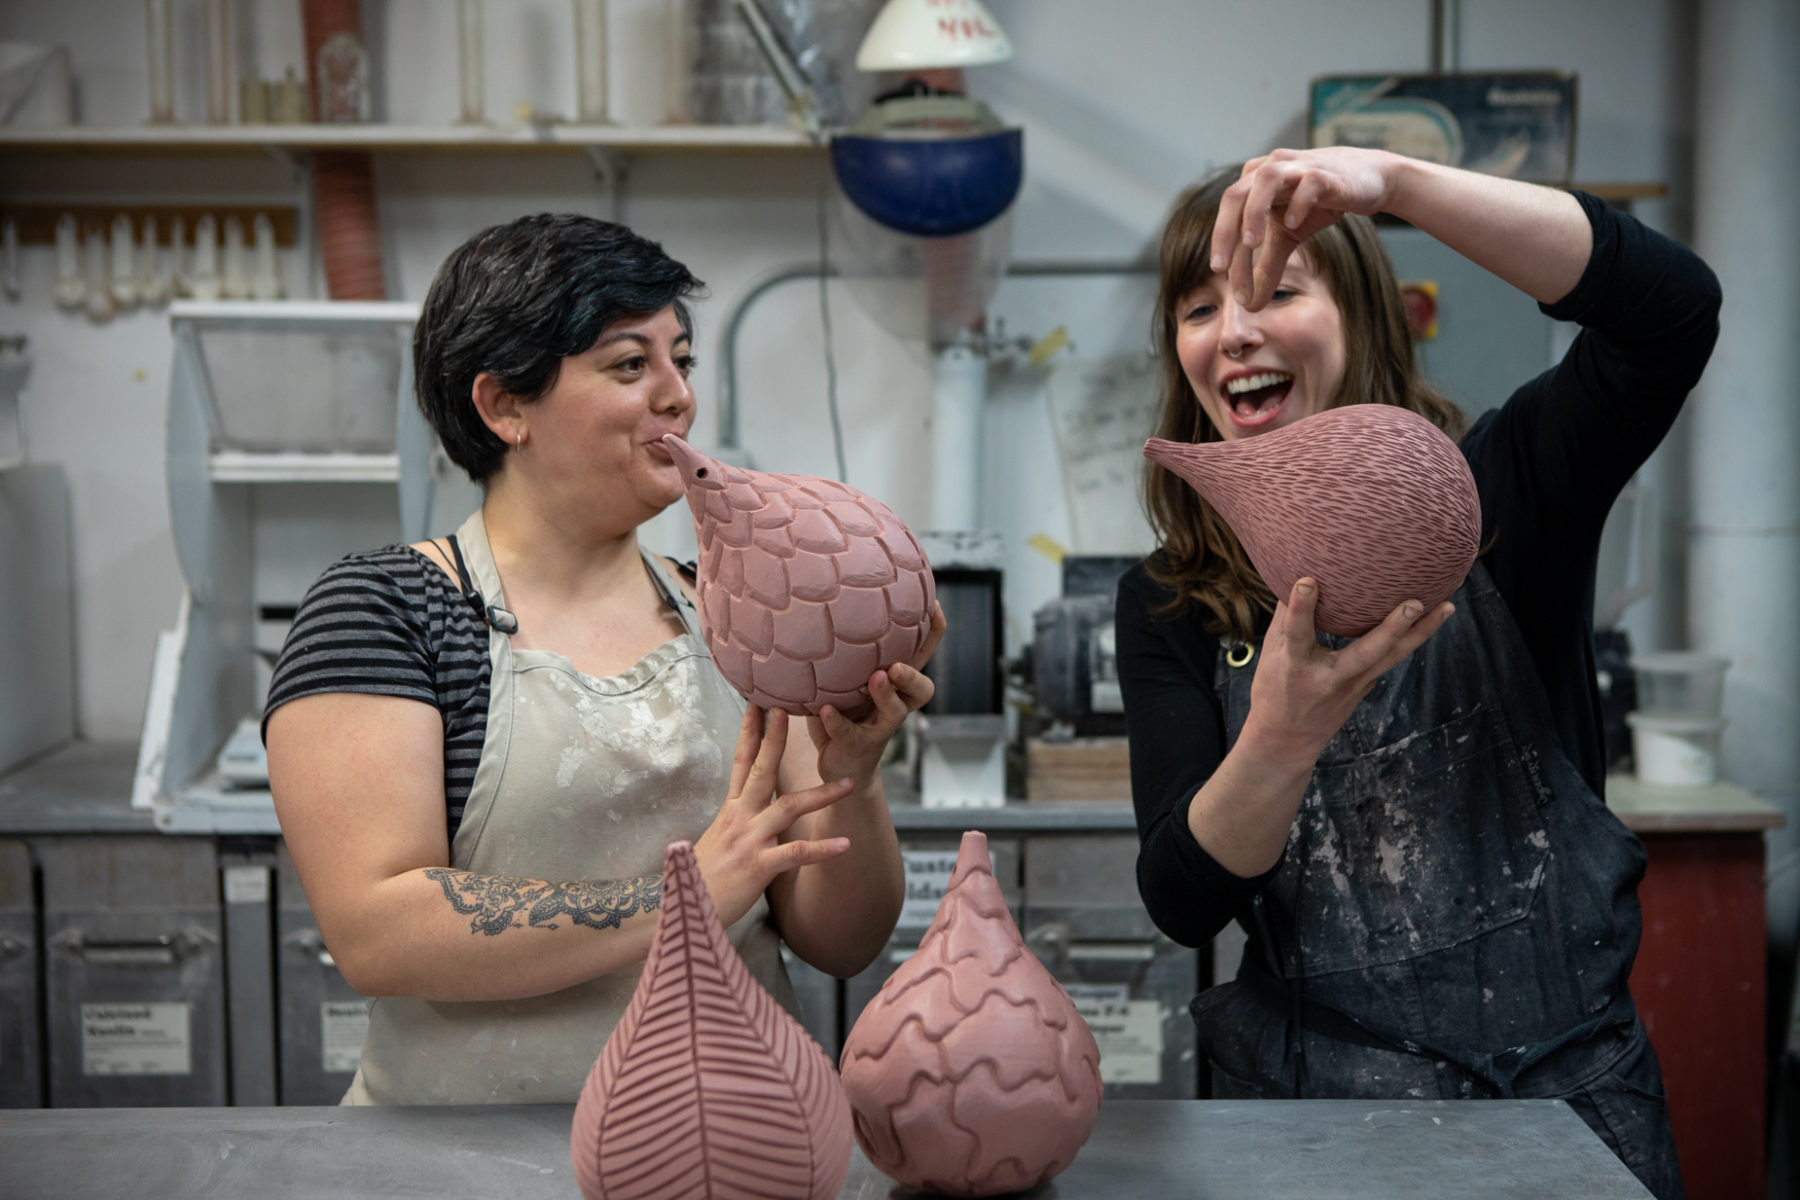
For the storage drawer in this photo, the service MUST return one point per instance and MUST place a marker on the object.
(134, 979)
(21, 1033)
(323, 1019)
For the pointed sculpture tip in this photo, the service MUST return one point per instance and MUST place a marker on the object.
(678, 857)
(1157, 449)
(972, 857)
(693, 464)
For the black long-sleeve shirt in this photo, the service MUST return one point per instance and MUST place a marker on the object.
(1547, 465)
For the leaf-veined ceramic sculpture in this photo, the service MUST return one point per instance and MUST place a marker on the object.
(1371, 500)
(970, 1073)
(707, 1088)
(807, 586)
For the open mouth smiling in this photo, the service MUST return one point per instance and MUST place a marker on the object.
(1256, 398)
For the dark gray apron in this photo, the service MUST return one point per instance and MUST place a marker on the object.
(1456, 914)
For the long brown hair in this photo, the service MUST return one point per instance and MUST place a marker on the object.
(1200, 560)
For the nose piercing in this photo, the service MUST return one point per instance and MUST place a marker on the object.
(1238, 353)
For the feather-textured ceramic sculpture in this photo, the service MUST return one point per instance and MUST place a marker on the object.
(1371, 500)
(707, 1088)
(970, 1073)
(807, 586)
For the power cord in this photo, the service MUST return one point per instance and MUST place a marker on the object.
(831, 404)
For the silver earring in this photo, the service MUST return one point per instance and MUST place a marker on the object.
(519, 439)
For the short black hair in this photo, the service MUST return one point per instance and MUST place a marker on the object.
(517, 299)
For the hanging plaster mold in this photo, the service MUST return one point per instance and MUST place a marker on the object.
(807, 586)
(1371, 500)
(971, 1073)
(707, 1088)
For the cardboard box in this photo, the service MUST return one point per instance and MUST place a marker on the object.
(1089, 769)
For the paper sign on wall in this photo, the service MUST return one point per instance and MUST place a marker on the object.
(136, 1039)
(1129, 1032)
(928, 875)
(342, 1026)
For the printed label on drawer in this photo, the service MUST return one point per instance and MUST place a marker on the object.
(136, 1039)
(927, 879)
(246, 885)
(342, 1026)
(1129, 1032)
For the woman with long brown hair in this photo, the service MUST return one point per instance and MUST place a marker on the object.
(1408, 825)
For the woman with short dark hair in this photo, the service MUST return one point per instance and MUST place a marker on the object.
(480, 745)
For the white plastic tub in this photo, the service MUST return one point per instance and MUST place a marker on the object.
(1680, 683)
(1678, 751)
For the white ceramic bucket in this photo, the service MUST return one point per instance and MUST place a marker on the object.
(1677, 751)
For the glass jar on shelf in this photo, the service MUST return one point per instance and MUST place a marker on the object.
(343, 72)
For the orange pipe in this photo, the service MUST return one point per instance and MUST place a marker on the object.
(348, 227)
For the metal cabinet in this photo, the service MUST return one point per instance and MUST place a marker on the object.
(1086, 924)
(246, 875)
(819, 1002)
(322, 1019)
(21, 1034)
(134, 978)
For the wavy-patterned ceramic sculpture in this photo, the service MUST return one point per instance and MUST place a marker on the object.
(707, 1088)
(807, 586)
(970, 1073)
(1371, 500)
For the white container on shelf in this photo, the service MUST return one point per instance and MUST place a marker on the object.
(1678, 751)
(1680, 683)
(36, 89)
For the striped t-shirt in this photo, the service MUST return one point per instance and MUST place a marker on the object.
(389, 622)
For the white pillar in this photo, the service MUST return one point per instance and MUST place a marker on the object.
(958, 394)
(1744, 542)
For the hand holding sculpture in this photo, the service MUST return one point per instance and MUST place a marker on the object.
(807, 586)
(1371, 500)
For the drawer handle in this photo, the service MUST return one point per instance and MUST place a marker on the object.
(309, 941)
(164, 950)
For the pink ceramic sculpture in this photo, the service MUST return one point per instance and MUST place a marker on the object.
(707, 1088)
(807, 586)
(1371, 500)
(970, 1073)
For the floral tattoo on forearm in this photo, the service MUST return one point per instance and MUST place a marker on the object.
(500, 902)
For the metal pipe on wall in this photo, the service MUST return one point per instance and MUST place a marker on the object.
(729, 432)
(1446, 35)
(1744, 539)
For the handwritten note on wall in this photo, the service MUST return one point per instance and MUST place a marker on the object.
(1101, 410)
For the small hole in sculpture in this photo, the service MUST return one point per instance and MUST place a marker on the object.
(700, 474)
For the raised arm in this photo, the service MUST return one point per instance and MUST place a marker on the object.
(1534, 237)
(358, 787)
(839, 914)
(1303, 693)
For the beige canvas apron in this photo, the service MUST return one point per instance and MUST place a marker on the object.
(580, 778)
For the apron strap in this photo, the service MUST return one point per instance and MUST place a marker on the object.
(671, 591)
(1499, 1070)
(491, 614)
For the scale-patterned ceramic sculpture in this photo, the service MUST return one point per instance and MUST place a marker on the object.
(971, 1073)
(1371, 500)
(707, 1088)
(807, 586)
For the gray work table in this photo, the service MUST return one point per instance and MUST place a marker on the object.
(1271, 1150)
